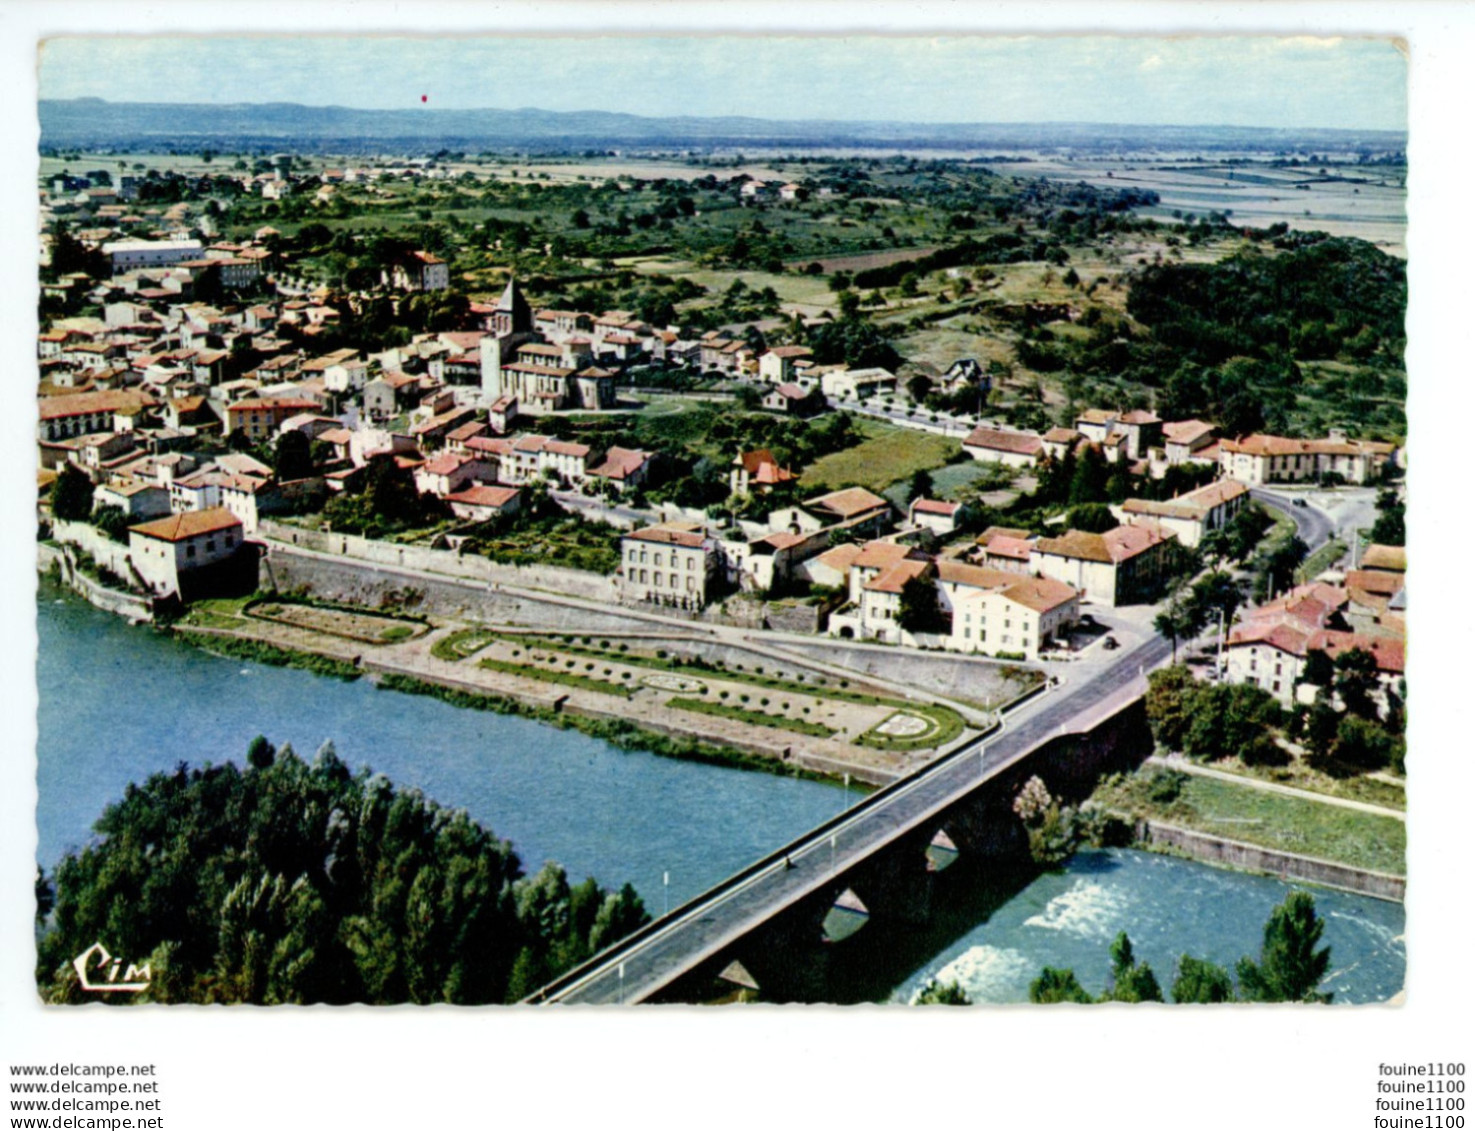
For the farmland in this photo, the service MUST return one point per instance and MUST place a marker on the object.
(888, 454)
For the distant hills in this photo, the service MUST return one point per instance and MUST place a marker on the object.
(92, 123)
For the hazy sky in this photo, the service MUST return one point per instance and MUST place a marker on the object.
(1293, 82)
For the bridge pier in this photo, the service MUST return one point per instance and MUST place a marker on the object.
(912, 909)
(897, 884)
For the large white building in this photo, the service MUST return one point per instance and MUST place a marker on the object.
(130, 255)
(1120, 567)
(1276, 459)
(1192, 515)
(667, 565)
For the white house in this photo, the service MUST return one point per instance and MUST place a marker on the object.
(1192, 515)
(1120, 567)
(667, 565)
(1012, 449)
(934, 514)
(164, 552)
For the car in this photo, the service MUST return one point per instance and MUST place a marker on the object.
(1109, 643)
(1298, 503)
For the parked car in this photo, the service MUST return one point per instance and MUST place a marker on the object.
(1109, 643)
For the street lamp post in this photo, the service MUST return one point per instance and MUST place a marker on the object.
(665, 894)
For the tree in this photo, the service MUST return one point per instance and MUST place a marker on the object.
(918, 601)
(1388, 528)
(1319, 732)
(1235, 720)
(1278, 564)
(1054, 986)
(111, 521)
(260, 753)
(71, 495)
(296, 882)
(1171, 697)
(1088, 480)
(942, 993)
(1093, 518)
(1131, 981)
(1290, 967)
(1363, 745)
(1181, 618)
(1355, 680)
(1053, 831)
(1200, 982)
(1319, 668)
(919, 387)
(292, 456)
(920, 486)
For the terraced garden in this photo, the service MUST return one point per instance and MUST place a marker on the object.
(368, 628)
(805, 703)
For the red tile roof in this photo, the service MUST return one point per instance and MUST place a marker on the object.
(992, 439)
(190, 524)
(690, 539)
(894, 578)
(1115, 546)
(848, 502)
(936, 506)
(497, 497)
(621, 463)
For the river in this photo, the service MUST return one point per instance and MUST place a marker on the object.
(118, 702)
(1168, 907)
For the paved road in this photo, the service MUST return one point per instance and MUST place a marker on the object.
(920, 420)
(1314, 525)
(654, 958)
(571, 500)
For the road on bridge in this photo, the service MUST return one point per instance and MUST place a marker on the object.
(633, 971)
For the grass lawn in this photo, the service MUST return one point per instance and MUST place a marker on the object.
(946, 725)
(1283, 526)
(1323, 559)
(551, 675)
(888, 454)
(1298, 775)
(1289, 824)
(756, 718)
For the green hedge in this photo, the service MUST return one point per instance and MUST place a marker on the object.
(620, 733)
(757, 718)
(567, 679)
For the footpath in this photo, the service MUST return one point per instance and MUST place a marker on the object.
(1178, 762)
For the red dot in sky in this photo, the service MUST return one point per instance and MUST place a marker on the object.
(425, 98)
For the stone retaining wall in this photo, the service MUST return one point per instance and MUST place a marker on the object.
(472, 567)
(133, 606)
(1288, 865)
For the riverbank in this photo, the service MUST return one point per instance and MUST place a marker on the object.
(1225, 820)
(634, 714)
(120, 702)
(1155, 836)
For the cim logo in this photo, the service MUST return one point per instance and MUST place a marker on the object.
(97, 970)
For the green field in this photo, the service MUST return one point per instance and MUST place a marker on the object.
(888, 454)
(1289, 824)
